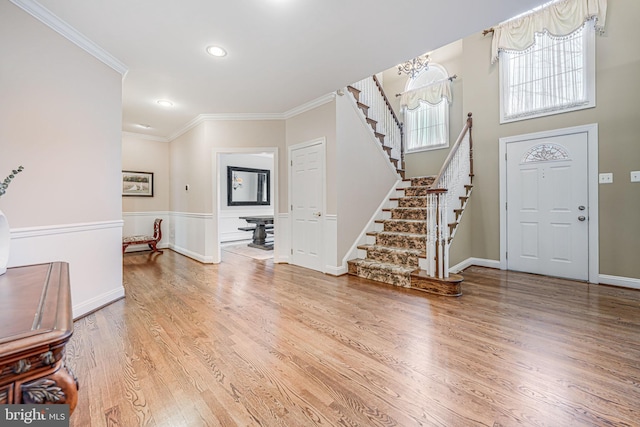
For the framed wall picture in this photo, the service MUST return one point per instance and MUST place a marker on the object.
(137, 183)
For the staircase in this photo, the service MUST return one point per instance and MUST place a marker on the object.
(408, 244)
(378, 113)
(397, 251)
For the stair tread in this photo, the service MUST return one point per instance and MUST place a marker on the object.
(381, 221)
(395, 233)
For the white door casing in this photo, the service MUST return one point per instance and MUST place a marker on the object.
(212, 237)
(307, 203)
(549, 203)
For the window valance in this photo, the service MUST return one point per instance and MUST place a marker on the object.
(558, 19)
(433, 93)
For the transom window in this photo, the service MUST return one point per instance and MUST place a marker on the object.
(426, 118)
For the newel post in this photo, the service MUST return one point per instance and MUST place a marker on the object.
(470, 125)
(437, 245)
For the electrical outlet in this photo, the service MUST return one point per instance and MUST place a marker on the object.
(635, 176)
(605, 178)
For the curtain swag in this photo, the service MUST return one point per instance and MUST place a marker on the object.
(558, 19)
(433, 94)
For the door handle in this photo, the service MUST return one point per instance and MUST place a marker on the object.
(317, 214)
(581, 218)
(581, 208)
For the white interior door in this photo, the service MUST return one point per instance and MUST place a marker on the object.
(547, 206)
(307, 205)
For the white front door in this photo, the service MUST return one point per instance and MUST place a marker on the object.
(547, 206)
(307, 204)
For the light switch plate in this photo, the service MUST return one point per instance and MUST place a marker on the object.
(635, 176)
(605, 178)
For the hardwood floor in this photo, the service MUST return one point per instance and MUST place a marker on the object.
(250, 343)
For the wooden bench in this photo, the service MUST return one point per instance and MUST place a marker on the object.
(152, 241)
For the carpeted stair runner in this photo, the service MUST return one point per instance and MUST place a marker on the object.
(396, 249)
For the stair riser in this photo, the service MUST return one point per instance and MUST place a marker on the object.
(412, 202)
(380, 275)
(399, 258)
(415, 191)
(419, 214)
(406, 227)
(400, 241)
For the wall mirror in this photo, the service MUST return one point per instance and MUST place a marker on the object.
(248, 187)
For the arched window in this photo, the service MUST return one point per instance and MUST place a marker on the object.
(425, 104)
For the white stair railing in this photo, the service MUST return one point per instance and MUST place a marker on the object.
(448, 193)
(372, 95)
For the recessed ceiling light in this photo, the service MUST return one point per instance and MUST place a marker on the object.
(165, 103)
(216, 51)
(143, 126)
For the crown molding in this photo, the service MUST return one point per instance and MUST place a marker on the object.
(309, 105)
(143, 136)
(47, 17)
(201, 118)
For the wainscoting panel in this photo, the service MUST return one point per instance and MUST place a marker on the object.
(282, 247)
(230, 221)
(93, 251)
(190, 235)
(136, 223)
(331, 247)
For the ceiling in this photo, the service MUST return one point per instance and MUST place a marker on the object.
(281, 53)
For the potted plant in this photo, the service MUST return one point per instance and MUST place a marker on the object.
(4, 225)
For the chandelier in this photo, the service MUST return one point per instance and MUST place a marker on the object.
(415, 66)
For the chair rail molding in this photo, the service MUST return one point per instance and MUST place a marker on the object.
(93, 251)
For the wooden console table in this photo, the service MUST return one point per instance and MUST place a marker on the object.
(36, 319)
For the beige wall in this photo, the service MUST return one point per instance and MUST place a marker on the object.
(477, 90)
(191, 157)
(317, 123)
(450, 57)
(618, 91)
(147, 155)
(60, 117)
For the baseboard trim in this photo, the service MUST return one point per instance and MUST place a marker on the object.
(335, 270)
(480, 262)
(97, 303)
(603, 279)
(145, 248)
(193, 255)
(624, 282)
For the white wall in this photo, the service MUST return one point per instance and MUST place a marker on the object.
(61, 117)
(364, 174)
